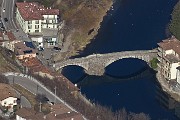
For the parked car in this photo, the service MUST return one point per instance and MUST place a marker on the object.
(57, 48)
(5, 19)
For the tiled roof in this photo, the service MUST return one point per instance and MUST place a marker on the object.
(11, 36)
(34, 11)
(169, 44)
(29, 114)
(6, 91)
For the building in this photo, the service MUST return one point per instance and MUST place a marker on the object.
(7, 40)
(28, 114)
(8, 97)
(62, 112)
(38, 41)
(169, 58)
(57, 112)
(33, 17)
(24, 50)
(178, 74)
(50, 37)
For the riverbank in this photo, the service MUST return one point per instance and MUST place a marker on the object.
(82, 26)
(172, 90)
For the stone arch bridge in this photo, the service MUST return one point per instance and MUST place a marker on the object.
(95, 64)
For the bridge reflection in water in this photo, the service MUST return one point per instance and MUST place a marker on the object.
(96, 80)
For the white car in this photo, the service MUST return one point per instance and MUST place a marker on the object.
(4, 10)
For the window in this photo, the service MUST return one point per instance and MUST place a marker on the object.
(36, 31)
(14, 101)
(29, 26)
(36, 26)
(37, 22)
(29, 22)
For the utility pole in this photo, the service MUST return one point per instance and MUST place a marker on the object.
(37, 89)
(55, 94)
(40, 105)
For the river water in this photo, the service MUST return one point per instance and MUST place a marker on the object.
(132, 25)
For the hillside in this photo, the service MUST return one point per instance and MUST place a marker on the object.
(174, 26)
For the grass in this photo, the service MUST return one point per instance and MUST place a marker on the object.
(32, 99)
(5, 66)
(153, 63)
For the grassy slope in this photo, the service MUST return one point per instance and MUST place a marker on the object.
(82, 16)
(175, 22)
(4, 66)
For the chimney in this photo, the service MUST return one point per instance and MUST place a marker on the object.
(54, 114)
(24, 42)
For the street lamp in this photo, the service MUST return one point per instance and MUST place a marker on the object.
(55, 94)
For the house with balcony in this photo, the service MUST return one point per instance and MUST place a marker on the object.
(33, 18)
(169, 58)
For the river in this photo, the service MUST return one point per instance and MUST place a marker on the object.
(131, 25)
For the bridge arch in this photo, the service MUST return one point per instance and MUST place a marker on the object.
(112, 60)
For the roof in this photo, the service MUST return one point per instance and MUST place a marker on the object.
(172, 58)
(34, 11)
(22, 49)
(11, 36)
(62, 112)
(49, 32)
(30, 44)
(59, 109)
(29, 113)
(171, 43)
(6, 91)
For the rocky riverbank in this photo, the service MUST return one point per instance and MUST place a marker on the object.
(172, 90)
(82, 21)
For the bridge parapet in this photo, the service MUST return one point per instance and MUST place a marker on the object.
(95, 64)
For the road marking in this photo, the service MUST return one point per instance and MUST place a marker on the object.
(2, 14)
(13, 15)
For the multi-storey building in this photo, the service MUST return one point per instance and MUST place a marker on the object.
(33, 17)
(169, 58)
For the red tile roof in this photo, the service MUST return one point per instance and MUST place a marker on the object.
(11, 36)
(34, 11)
(169, 44)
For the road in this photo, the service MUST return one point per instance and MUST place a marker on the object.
(8, 12)
(34, 87)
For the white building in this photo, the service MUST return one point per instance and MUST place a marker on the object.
(38, 40)
(7, 40)
(169, 58)
(8, 96)
(33, 17)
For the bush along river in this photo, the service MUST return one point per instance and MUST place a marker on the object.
(130, 25)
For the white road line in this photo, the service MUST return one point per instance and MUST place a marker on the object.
(2, 14)
(13, 15)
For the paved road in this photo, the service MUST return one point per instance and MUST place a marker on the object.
(8, 6)
(11, 24)
(32, 86)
